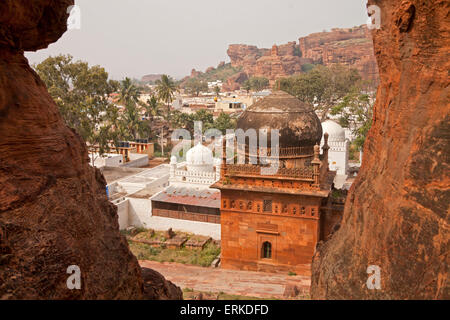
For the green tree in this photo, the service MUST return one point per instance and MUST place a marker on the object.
(152, 108)
(258, 83)
(224, 122)
(194, 86)
(324, 87)
(131, 118)
(129, 93)
(206, 117)
(82, 95)
(217, 91)
(247, 86)
(355, 112)
(166, 88)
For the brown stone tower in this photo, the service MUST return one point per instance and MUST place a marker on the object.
(272, 222)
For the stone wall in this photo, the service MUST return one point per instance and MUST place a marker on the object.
(293, 235)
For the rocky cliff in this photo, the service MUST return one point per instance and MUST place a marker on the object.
(396, 215)
(351, 47)
(54, 212)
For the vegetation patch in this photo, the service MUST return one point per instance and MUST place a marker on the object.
(146, 251)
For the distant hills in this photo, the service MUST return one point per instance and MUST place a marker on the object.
(350, 46)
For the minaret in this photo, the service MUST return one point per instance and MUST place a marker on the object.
(316, 166)
(223, 167)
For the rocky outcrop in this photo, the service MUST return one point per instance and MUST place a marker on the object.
(151, 78)
(158, 288)
(396, 215)
(352, 47)
(54, 212)
(272, 64)
(235, 82)
(245, 56)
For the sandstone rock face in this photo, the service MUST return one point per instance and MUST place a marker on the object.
(352, 47)
(396, 215)
(242, 55)
(235, 82)
(54, 212)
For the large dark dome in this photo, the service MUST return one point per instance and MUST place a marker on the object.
(298, 124)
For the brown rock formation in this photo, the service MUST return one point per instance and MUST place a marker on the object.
(396, 215)
(157, 288)
(151, 77)
(53, 207)
(245, 56)
(352, 47)
(235, 82)
(272, 64)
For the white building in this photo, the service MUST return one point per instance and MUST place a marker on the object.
(201, 169)
(339, 147)
(189, 204)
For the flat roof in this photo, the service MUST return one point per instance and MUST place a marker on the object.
(112, 174)
(192, 196)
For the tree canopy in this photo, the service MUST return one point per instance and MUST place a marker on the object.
(355, 112)
(194, 86)
(166, 88)
(324, 87)
(256, 84)
(83, 95)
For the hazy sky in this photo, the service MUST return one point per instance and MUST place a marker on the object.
(138, 37)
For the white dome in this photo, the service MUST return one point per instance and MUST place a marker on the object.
(199, 155)
(334, 130)
(173, 160)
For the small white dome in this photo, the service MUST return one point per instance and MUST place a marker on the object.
(334, 130)
(199, 155)
(173, 160)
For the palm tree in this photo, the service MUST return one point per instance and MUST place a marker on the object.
(166, 88)
(129, 93)
(152, 108)
(132, 121)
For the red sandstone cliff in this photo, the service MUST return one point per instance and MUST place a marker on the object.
(396, 215)
(352, 47)
(53, 207)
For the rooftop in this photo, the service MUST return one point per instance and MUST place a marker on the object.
(202, 197)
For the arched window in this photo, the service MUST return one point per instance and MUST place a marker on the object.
(267, 250)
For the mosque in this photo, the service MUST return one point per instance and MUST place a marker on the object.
(189, 196)
(266, 222)
(274, 222)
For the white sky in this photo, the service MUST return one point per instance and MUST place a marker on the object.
(138, 37)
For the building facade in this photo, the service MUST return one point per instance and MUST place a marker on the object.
(189, 196)
(272, 222)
